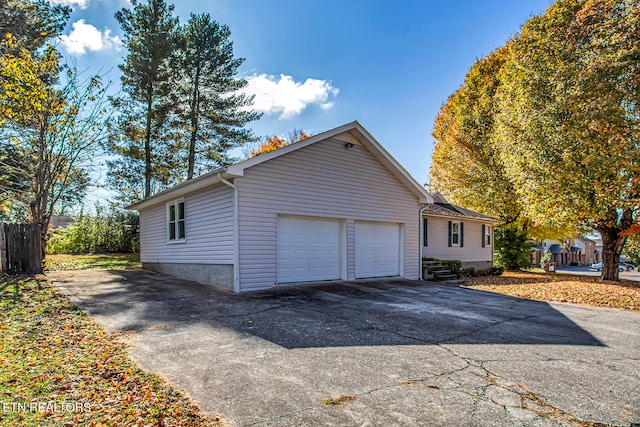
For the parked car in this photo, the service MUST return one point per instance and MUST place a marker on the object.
(622, 266)
(628, 265)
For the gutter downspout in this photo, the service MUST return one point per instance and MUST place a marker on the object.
(236, 235)
(420, 242)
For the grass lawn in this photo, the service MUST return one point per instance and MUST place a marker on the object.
(562, 288)
(92, 262)
(58, 367)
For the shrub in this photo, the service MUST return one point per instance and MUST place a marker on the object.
(468, 272)
(452, 264)
(495, 271)
(547, 258)
(116, 231)
(512, 248)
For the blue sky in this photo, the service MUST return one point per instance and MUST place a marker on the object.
(315, 65)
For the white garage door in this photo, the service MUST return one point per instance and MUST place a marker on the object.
(377, 249)
(308, 249)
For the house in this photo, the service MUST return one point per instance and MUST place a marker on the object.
(577, 251)
(453, 232)
(336, 206)
(60, 221)
(597, 241)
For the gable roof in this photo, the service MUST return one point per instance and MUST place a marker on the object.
(348, 132)
(441, 207)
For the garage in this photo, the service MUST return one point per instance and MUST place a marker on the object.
(308, 249)
(377, 249)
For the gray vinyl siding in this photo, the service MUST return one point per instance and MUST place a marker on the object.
(472, 250)
(209, 230)
(321, 180)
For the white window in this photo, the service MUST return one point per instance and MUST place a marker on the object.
(487, 235)
(455, 234)
(176, 230)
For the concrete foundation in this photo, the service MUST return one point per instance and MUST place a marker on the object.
(220, 275)
(478, 265)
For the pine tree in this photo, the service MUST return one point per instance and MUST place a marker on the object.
(31, 23)
(211, 111)
(141, 135)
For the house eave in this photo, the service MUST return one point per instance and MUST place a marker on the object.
(490, 220)
(182, 189)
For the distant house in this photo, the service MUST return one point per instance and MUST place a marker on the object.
(453, 232)
(598, 245)
(336, 206)
(60, 221)
(577, 251)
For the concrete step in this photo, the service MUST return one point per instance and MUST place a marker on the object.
(431, 264)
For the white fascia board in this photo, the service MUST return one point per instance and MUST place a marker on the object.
(181, 189)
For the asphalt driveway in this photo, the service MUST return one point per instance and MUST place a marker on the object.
(410, 353)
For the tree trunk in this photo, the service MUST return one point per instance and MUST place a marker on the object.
(194, 113)
(147, 147)
(612, 245)
(192, 144)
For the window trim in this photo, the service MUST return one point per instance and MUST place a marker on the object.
(175, 224)
(487, 236)
(453, 233)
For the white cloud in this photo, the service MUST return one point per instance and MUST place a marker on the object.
(82, 4)
(85, 37)
(283, 95)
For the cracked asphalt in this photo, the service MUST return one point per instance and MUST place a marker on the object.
(411, 353)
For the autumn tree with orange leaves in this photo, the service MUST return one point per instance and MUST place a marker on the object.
(274, 142)
(563, 123)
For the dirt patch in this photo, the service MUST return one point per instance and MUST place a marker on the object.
(338, 401)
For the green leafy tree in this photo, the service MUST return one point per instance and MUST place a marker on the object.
(140, 136)
(465, 166)
(569, 120)
(207, 94)
(632, 249)
(31, 23)
(49, 133)
(512, 247)
(24, 26)
(14, 179)
(545, 129)
(547, 258)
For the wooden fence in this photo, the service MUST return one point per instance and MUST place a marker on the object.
(21, 248)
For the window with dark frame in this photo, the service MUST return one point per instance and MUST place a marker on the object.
(487, 235)
(455, 233)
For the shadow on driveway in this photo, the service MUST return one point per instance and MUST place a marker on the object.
(360, 313)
